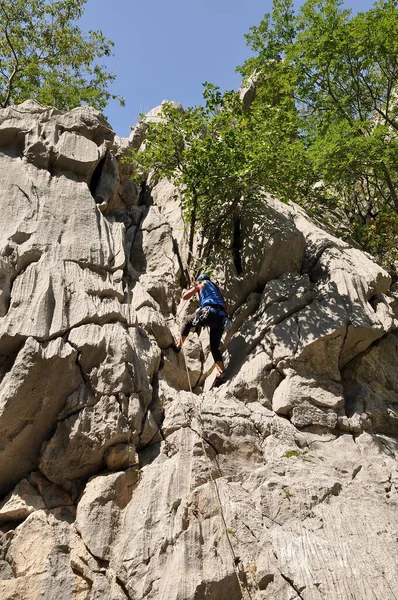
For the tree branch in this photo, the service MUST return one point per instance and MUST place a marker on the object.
(16, 58)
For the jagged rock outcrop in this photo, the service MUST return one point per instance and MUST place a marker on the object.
(124, 475)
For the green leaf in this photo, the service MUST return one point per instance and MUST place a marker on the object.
(44, 55)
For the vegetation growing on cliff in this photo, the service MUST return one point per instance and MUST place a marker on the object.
(342, 73)
(219, 163)
(44, 55)
(321, 130)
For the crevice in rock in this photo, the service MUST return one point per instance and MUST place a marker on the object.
(136, 228)
(109, 319)
(154, 439)
(14, 146)
(263, 515)
(64, 416)
(153, 404)
(77, 361)
(95, 177)
(24, 194)
(106, 234)
(374, 344)
(320, 441)
(7, 363)
(206, 441)
(7, 526)
(184, 274)
(26, 260)
(144, 198)
(19, 237)
(201, 434)
(237, 243)
(343, 341)
(50, 305)
(170, 259)
(261, 434)
(98, 270)
(51, 168)
(356, 471)
(102, 563)
(123, 587)
(292, 585)
(10, 563)
(148, 590)
(265, 581)
(138, 231)
(334, 491)
(306, 301)
(250, 531)
(353, 389)
(99, 134)
(310, 264)
(80, 573)
(63, 172)
(241, 302)
(156, 227)
(284, 295)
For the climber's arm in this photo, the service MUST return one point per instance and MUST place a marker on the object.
(195, 289)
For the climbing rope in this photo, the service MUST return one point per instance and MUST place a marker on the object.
(246, 595)
(245, 591)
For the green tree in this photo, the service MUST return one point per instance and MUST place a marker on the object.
(322, 129)
(340, 74)
(201, 150)
(44, 55)
(220, 158)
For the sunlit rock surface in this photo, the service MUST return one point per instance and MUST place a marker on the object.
(123, 475)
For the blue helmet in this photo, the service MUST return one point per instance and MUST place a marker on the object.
(203, 277)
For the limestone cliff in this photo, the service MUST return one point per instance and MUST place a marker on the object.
(123, 476)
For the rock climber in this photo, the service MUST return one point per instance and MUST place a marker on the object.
(212, 313)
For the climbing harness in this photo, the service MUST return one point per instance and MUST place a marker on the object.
(200, 315)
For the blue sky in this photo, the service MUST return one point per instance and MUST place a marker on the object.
(167, 49)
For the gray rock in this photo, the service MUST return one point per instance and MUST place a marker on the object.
(77, 448)
(32, 394)
(99, 512)
(76, 153)
(123, 474)
(20, 503)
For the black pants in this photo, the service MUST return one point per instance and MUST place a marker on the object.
(215, 322)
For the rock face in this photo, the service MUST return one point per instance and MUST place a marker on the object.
(123, 474)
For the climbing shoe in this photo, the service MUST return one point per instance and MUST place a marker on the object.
(219, 380)
(175, 348)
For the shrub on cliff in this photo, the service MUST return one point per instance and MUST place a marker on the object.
(220, 158)
(322, 130)
(337, 76)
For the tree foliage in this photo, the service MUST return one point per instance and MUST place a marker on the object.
(219, 164)
(342, 73)
(44, 55)
(322, 129)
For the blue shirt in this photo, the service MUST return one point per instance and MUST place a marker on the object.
(210, 295)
